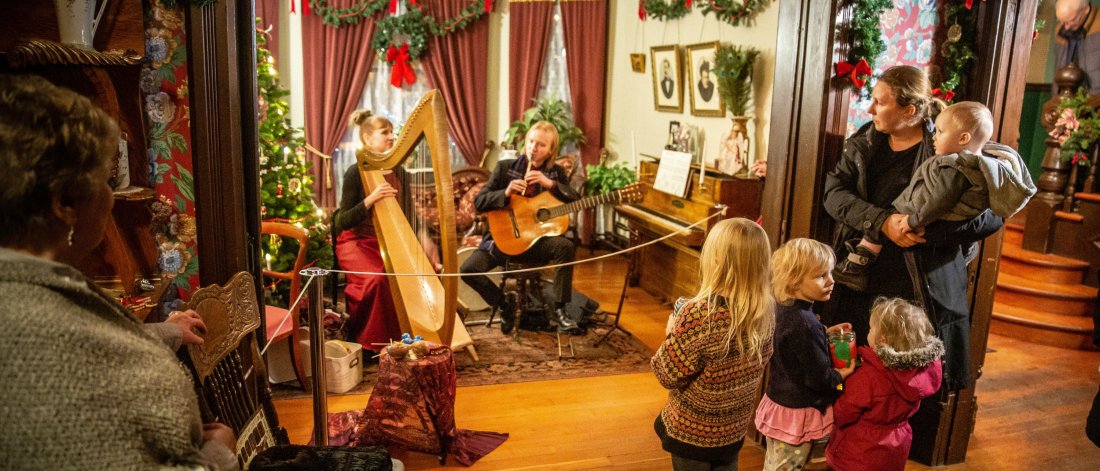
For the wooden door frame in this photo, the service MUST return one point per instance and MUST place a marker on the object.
(224, 137)
(809, 114)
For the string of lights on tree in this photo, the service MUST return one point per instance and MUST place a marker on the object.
(286, 184)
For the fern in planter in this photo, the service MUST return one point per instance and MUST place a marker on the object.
(733, 72)
(552, 110)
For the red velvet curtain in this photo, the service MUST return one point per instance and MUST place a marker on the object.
(337, 62)
(268, 11)
(584, 23)
(529, 34)
(458, 65)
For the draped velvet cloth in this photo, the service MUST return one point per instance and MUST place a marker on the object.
(584, 24)
(412, 407)
(337, 62)
(457, 64)
(528, 38)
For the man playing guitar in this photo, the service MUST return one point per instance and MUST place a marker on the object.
(532, 173)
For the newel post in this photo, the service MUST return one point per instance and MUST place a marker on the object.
(1039, 231)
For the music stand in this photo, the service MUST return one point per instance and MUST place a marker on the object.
(632, 262)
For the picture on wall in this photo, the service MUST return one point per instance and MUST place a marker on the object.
(705, 100)
(667, 90)
(637, 62)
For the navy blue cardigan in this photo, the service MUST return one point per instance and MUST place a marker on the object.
(802, 373)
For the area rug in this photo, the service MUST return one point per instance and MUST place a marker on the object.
(530, 356)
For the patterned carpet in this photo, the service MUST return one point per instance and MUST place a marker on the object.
(531, 356)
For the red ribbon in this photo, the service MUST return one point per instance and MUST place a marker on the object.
(945, 96)
(687, 3)
(488, 6)
(641, 10)
(305, 8)
(854, 72)
(393, 6)
(402, 71)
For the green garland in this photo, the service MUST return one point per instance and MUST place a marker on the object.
(734, 12)
(866, 33)
(1077, 128)
(659, 9)
(957, 50)
(337, 17)
(395, 31)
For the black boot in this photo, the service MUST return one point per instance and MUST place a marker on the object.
(852, 271)
(507, 316)
(565, 323)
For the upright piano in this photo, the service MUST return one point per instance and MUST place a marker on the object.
(670, 269)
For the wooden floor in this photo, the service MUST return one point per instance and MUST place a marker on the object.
(1032, 405)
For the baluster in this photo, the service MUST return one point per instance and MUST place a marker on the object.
(1071, 188)
(1090, 181)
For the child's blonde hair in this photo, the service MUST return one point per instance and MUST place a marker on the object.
(974, 118)
(368, 122)
(555, 138)
(796, 260)
(734, 265)
(903, 326)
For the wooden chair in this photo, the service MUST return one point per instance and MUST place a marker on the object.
(278, 330)
(230, 376)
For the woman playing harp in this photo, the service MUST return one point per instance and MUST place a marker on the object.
(423, 305)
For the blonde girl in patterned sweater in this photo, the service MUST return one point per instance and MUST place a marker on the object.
(718, 344)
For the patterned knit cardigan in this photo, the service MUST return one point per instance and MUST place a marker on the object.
(85, 384)
(710, 399)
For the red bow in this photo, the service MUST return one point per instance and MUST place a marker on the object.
(393, 5)
(687, 3)
(945, 96)
(488, 6)
(402, 71)
(641, 10)
(854, 72)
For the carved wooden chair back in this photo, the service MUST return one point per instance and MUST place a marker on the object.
(231, 379)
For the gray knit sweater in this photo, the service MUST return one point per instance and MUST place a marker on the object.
(85, 384)
(997, 180)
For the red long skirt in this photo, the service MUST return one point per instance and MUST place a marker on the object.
(372, 318)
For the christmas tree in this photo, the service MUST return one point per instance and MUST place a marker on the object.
(286, 185)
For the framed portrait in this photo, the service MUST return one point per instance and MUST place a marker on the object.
(637, 62)
(667, 88)
(701, 86)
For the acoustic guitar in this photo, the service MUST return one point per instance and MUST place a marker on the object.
(517, 227)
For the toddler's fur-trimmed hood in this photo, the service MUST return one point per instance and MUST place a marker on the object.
(919, 357)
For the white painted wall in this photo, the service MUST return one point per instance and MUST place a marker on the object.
(630, 94)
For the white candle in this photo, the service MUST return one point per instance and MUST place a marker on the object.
(633, 152)
(702, 164)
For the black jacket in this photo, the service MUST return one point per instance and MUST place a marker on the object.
(937, 268)
(802, 373)
(492, 194)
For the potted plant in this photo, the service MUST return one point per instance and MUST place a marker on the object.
(733, 71)
(604, 178)
(552, 110)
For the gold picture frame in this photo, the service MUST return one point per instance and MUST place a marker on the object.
(703, 90)
(667, 84)
(637, 62)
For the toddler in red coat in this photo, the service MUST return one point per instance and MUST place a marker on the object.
(901, 366)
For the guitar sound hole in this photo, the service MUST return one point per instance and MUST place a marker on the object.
(542, 215)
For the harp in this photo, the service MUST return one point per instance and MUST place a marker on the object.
(426, 305)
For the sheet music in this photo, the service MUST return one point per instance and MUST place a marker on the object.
(673, 172)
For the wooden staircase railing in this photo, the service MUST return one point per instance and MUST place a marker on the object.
(1064, 216)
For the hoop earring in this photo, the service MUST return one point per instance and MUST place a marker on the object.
(70, 237)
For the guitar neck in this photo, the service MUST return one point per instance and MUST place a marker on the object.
(584, 203)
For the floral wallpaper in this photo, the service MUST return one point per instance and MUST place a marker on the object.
(908, 30)
(168, 128)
